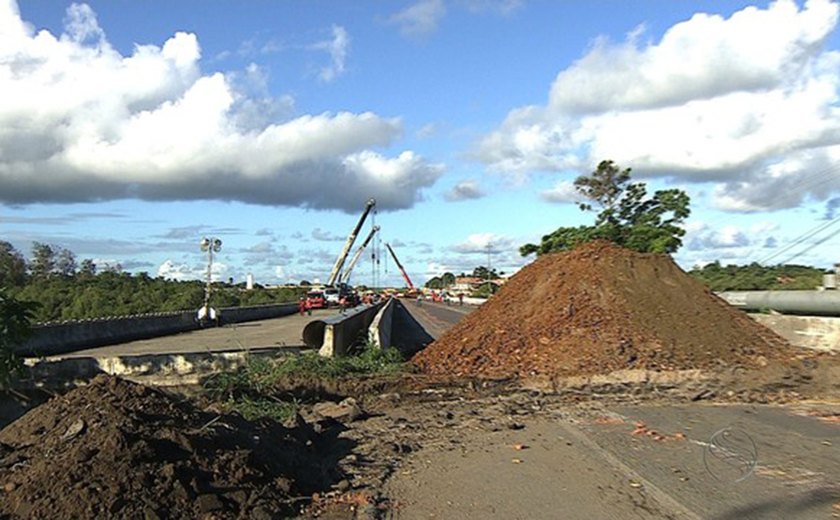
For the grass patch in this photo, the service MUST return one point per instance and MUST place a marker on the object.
(250, 390)
(262, 407)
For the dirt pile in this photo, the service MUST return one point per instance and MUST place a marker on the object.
(597, 309)
(115, 449)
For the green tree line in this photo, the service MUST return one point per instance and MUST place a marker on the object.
(63, 289)
(756, 277)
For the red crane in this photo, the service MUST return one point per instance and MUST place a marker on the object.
(405, 275)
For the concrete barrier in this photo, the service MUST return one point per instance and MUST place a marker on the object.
(336, 335)
(818, 333)
(59, 338)
(382, 324)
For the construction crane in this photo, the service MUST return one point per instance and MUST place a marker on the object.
(411, 288)
(345, 276)
(339, 262)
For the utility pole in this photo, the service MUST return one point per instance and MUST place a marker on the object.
(489, 275)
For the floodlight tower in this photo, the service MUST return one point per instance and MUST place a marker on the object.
(210, 245)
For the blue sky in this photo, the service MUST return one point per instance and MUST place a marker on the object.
(132, 129)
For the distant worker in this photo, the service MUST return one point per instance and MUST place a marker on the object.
(302, 305)
(342, 303)
(461, 299)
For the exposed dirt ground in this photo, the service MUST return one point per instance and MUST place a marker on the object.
(114, 449)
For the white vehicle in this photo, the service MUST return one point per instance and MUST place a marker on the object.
(332, 296)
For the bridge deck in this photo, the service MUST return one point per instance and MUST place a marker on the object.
(273, 333)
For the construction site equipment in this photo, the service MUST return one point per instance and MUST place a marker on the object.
(339, 262)
(411, 289)
(345, 276)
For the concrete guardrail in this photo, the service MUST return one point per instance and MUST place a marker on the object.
(334, 336)
(382, 324)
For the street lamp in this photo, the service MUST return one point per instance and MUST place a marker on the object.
(489, 275)
(210, 245)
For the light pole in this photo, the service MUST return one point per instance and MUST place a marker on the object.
(211, 245)
(489, 252)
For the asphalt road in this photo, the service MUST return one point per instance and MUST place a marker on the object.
(436, 318)
(583, 466)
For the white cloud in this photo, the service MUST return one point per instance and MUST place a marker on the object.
(562, 192)
(427, 131)
(701, 237)
(419, 19)
(464, 190)
(171, 270)
(325, 236)
(502, 7)
(435, 269)
(81, 24)
(484, 243)
(748, 102)
(80, 122)
(337, 47)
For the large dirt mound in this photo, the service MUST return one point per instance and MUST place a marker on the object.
(115, 449)
(597, 309)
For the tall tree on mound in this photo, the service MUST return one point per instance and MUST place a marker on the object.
(627, 216)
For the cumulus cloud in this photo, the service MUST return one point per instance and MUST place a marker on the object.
(419, 19)
(502, 7)
(725, 237)
(563, 192)
(484, 243)
(81, 122)
(748, 102)
(337, 47)
(171, 270)
(325, 236)
(464, 190)
(266, 254)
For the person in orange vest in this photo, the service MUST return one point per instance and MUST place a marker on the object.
(302, 305)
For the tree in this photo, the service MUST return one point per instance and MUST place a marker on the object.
(627, 216)
(12, 266)
(15, 328)
(484, 273)
(87, 268)
(65, 262)
(435, 283)
(448, 279)
(43, 260)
